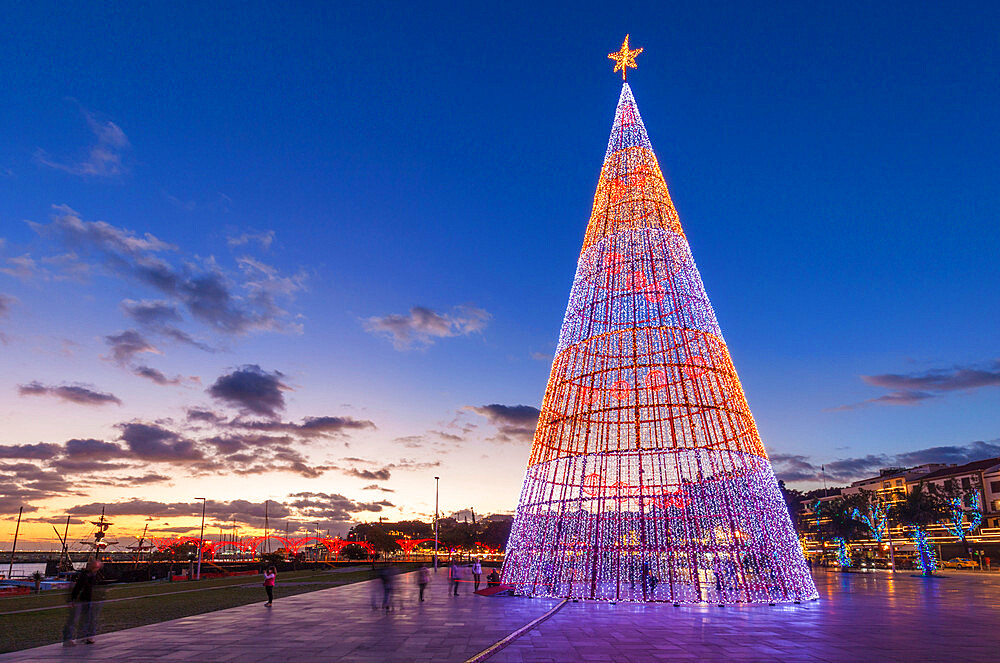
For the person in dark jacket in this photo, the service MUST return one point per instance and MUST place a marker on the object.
(454, 575)
(81, 622)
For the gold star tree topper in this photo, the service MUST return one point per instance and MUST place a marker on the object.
(624, 58)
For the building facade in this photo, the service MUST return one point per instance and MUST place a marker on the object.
(979, 481)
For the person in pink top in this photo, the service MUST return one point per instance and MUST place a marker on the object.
(270, 575)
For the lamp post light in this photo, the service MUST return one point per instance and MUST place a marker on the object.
(201, 536)
(316, 545)
(437, 485)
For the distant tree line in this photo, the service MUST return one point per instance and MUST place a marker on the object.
(452, 533)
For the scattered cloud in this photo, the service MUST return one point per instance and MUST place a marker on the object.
(226, 304)
(127, 344)
(151, 312)
(902, 397)
(67, 466)
(93, 449)
(300, 510)
(80, 394)
(105, 158)
(202, 415)
(951, 379)
(25, 482)
(385, 472)
(39, 451)
(978, 450)
(10, 503)
(6, 302)
(375, 486)
(371, 475)
(422, 326)
(67, 267)
(312, 505)
(159, 378)
(252, 390)
(156, 443)
(408, 464)
(311, 426)
(268, 455)
(915, 388)
(186, 205)
(22, 267)
(514, 423)
(263, 239)
(411, 441)
(153, 452)
(161, 317)
(791, 468)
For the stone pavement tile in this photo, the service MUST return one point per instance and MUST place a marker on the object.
(330, 624)
(860, 617)
(870, 617)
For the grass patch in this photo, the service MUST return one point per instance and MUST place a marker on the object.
(151, 603)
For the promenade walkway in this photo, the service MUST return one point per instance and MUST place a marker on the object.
(860, 617)
(326, 625)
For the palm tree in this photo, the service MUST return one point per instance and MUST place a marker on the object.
(923, 506)
(843, 528)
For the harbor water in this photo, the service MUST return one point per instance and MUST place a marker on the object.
(24, 570)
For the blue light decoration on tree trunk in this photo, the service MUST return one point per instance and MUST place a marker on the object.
(962, 508)
(876, 523)
(843, 556)
(816, 507)
(925, 551)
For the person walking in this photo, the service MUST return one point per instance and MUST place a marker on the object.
(386, 574)
(82, 619)
(455, 575)
(477, 574)
(423, 577)
(270, 577)
(649, 581)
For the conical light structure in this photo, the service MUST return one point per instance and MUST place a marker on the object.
(647, 479)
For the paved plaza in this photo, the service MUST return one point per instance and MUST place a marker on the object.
(859, 617)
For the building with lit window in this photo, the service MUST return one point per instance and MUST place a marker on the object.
(980, 479)
(982, 476)
(891, 482)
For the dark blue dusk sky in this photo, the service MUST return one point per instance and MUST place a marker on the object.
(327, 168)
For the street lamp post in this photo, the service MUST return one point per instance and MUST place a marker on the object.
(316, 546)
(437, 484)
(201, 536)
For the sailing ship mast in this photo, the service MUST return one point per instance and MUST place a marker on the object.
(99, 543)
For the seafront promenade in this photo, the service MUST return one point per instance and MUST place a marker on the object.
(859, 617)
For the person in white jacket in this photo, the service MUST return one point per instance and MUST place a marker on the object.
(477, 574)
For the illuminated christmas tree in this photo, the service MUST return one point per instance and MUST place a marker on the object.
(647, 479)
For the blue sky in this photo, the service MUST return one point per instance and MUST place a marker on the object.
(333, 167)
